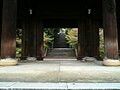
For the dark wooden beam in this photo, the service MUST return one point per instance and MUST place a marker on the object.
(88, 38)
(24, 38)
(96, 38)
(110, 28)
(118, 26)
(92, 37)
(39, 39)
(32, 43)
(0, 23)
(8, 39)
(29, 37)
(81, 39)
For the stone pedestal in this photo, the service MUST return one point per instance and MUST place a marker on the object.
(8, 62)
(111, 62)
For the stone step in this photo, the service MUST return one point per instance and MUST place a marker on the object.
(58, 86)
(61, 52)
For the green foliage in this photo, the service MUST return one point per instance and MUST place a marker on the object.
(101, 49)
(51, 31)
(18, 42)
(48, 39)
(101, 53)
(49, 34)
(72, 37)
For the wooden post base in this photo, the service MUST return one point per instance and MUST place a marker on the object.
(39, 58)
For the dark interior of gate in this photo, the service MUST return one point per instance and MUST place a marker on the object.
(86, 15)
(59, 13)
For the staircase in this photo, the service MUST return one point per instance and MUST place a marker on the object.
(63, 53)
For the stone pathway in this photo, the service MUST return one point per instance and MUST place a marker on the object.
(77, 74)
(60, 71)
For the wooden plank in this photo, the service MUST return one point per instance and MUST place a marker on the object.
(81, 39)
(118, 26)
(29, 37)
(0, 23)
(88, 38)
(8, 39)
(24, 38)
(95, 37)
(30, 31)
(92, 37)
(110, 28)
(39, 39)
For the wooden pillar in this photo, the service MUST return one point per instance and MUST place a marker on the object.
(95, 38)
(39, 40)
(0, 23)
(110, 28)
(29, 37)
(118, 26)
(92, 38)
(81, 39)
(24, 38)
(88, 38)
(32, 43)
(8, 39)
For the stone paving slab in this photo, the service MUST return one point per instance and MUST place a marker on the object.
(58, 86)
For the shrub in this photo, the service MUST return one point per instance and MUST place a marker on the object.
(47, 40)
(101, 49)
(72, 37)
(18, 42)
